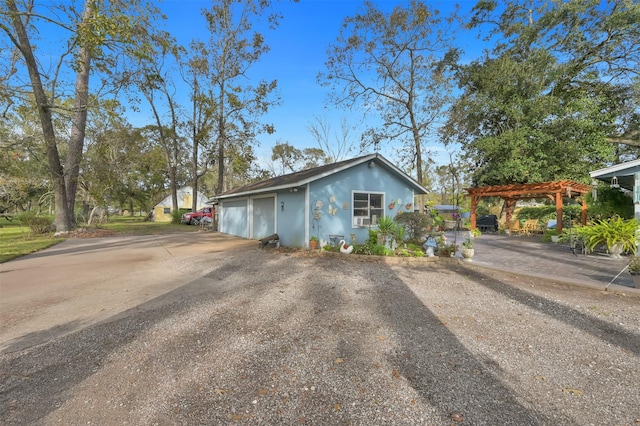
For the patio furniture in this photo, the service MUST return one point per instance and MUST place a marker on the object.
(515, 228)
(530, 226)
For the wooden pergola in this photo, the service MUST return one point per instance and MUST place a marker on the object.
(512, 193)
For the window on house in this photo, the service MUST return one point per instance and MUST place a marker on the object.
(167, 210)
(367, 208)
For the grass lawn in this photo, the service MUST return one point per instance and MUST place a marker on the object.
(137, 226)
(16, 240)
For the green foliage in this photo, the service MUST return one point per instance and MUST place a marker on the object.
(380, 250)
(373, 237)
(468, 243)
(37, 224)
(386, 225)
(610, 232)
(414, 223)
(542, 105)
(313, 238)
(17, 240)
(634, 265)
(447, 250)
(399, 234)
(610, 202)
(546, 213)
(176, 215)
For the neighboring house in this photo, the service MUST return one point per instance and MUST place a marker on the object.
(162, 211)
(344, 198)
(624, 175)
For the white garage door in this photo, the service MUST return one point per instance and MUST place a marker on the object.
(264, 217)
(234, 218)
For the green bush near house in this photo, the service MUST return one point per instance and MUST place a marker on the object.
(38, 224)
(414, 224)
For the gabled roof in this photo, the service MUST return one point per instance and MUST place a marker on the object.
(304, 177)
(623, 172)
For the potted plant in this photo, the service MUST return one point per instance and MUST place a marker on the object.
(634, 269)
(467, 250)
(474, 232)
(386, 230)
(552, 234)
(617, 234)
(313, 242)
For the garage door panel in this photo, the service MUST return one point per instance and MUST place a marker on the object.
(234, 218)
(264, 217)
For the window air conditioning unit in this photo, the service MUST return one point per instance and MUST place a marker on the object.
(363, 221)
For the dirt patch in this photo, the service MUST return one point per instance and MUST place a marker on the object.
(90, 233)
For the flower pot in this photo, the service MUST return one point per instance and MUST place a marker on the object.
(615, 251)
(467, 253)
(313, 244)
(555, 238)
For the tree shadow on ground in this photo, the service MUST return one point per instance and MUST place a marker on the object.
(601, 329)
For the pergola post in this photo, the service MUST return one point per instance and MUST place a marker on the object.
(559, 212)
(583, 218)
(510, 203)
(474, 205)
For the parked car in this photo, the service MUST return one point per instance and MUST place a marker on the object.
(194, 218)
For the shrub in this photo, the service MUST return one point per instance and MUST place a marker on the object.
(414, 224)
(36, 224)
(176, 215)
(379, 250)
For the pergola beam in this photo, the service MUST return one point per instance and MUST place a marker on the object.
(511, 193)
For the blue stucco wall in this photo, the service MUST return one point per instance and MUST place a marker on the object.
(340, 185)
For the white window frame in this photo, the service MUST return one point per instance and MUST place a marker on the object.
(362, 221)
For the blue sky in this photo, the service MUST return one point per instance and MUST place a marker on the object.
(297, 54)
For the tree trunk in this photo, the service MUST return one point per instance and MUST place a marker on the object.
(194, 164)
(221, 134)
(79, 123)
(56, 172)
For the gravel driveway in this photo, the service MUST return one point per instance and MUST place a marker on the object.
(266, 337)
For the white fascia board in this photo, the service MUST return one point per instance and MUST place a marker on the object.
(622, 167)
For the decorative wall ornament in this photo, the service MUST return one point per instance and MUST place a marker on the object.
(332, 199)
(319, 205)
(345, 206)
(392, 204)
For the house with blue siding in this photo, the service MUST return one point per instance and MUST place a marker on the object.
(340, 199)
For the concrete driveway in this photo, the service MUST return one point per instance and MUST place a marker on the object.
(83, 281)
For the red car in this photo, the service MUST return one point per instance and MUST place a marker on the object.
(194, 218)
